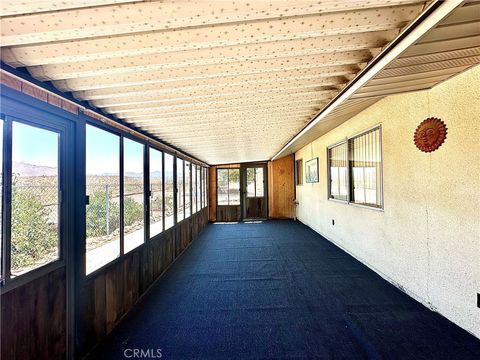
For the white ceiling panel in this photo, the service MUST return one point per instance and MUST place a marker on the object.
(224, 81)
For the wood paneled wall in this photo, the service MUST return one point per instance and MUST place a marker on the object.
(224, 214)
(33, 315)
(281, 188)
(281, 191)
(33, 319)
(109, 295)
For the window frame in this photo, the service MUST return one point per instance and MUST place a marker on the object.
(149, 148)
(346, 141)
(205, 187)
(174, 181)
(228, 185)
(255, 196)
(178, 161)
(145, 183)
(329, 174)
(62, 129)
(199, 188)
(104, 127)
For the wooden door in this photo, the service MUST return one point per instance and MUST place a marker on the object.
(254, 191)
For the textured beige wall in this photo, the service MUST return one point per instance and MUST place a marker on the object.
(427, 239)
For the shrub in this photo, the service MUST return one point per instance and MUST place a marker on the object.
(33, 236)
(96, 215)
(133, 211)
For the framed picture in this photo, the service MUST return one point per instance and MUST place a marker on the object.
(311, 171)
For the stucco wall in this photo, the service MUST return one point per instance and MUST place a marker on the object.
(427, 239)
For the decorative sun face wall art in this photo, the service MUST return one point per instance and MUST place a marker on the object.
(311, 171)
(430, 134)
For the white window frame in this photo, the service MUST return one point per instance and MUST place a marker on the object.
(349, 170)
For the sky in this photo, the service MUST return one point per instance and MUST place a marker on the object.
(39, 147)
(103, 155)
(33, 145)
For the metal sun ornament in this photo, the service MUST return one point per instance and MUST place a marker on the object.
(430, 134)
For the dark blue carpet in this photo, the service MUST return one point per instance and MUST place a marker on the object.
(278, 290)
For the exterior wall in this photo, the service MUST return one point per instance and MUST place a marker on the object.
(427, 238)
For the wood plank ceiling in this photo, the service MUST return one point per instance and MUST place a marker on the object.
(226, 81)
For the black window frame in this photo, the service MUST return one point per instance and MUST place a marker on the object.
(64, 129)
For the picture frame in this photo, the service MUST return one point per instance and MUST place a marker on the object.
(311, 171)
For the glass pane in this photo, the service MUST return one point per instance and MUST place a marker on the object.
(103, 190)
(234, 187)
(222, 186)
(250, 182)
(365, 155)
(259, 182)
(187, 190)
(180, 205)
(204, 183)
(194, 188)
(35, 198)
(198, 188)
(156, 201)
(337, 157)
(133, 205)
(1, 199)
(169, 210)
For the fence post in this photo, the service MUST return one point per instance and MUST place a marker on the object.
(107, 207)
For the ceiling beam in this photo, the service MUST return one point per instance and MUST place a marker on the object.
(187, 109)
(127, 102)
(220, 71)
(23, 8)
(255, 112)
(221, 55)
(326, 76)
(162, 16)
(214, 118)
(222, 102)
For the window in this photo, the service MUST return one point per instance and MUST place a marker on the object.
(1, 198)
(199, 191)
(204, 190)
(228, 186)
(365, 166)
(255, 182)
(156, 197)
(299, 172)
(355, 168)
(35, 198)
(180, 190)
(338, 161)
(103, 191)
(194, 188)
(169, 191)
(188, 190)
(133, 198)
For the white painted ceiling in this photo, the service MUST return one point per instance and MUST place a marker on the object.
(226, 81)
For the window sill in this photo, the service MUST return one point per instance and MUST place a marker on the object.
(22, 279)
(367, 207)
(338, 201)
(357, 205)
